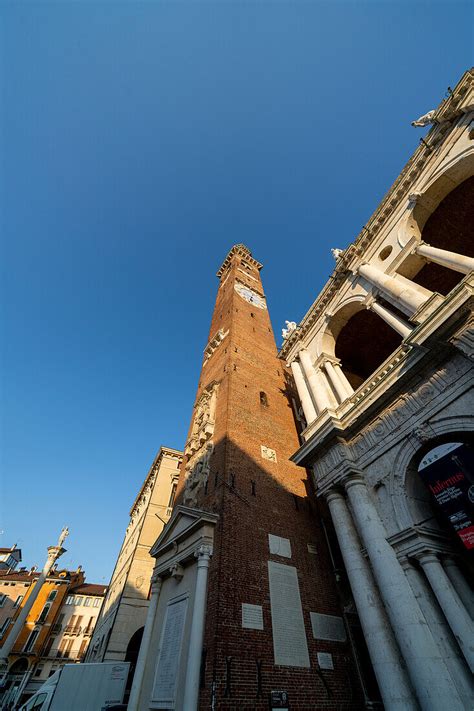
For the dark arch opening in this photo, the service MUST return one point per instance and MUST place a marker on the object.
(450, 227)
(19, 666)
(131, 655)
(363, 344)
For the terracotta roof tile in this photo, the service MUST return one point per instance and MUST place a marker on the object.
(90, 589)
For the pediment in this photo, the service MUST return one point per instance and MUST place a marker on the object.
(184, 522)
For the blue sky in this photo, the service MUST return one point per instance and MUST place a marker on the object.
(139, 141)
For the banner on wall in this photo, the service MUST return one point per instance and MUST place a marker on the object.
(448, 472)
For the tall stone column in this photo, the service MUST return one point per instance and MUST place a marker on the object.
(456, 614)
(407, 296)
(397, 323)
(156, 583)
(451, 260)
(54, 552)
(460, 584)
(342, 377)
(441, 632)
(196, 637)
(318, 389)
(335, 380)
(303, 392)
(429, 675)
(391, 676)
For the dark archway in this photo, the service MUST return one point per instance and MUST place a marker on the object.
(131, 655)
(20, 666)
(450, 227)
(363, 344)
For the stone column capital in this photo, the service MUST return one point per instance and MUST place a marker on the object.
(354, 479)
(426, 557)
(334, 495)
(405, 562)
(449, 560)
(156, 582)
(325, 358)
(203, 553)
(54, 552)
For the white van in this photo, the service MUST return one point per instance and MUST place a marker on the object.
(81, 687)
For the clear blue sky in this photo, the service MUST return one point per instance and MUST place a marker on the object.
(139, 141)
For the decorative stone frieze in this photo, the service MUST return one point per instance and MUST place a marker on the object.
(214, 343)
(203, 421)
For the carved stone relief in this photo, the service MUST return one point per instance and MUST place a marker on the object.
(268, 453)
(200, 446)
(390, 424)
(197, 474)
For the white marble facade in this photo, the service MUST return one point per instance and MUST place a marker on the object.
(366, 432)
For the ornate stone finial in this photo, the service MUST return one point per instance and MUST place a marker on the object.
(336, 253)
(63, 536)
(424, 120)
(290, 327)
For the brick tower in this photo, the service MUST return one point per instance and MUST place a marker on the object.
(271, 588)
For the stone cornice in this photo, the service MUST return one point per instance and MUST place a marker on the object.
(460, 101)
(163, 451)
(419, 539)
(243, 252)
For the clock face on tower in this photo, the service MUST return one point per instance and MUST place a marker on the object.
(250, 295)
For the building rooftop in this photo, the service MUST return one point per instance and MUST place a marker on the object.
(24, 575)
(90, 589)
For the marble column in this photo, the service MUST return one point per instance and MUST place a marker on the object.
(451, 260)
(196, 637)
(429, 674)
(407, 296)
(303, 392)
(459, 583)
(314, 379)
(335, 380)
(456, 614)
(342, 377)
(156, 583)
(397, 323)
(442, 634)
(391, 675)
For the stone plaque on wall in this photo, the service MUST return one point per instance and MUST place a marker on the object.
(268, 453)
(279, 546)
(325, 660)
(328, 627)
(289, 637)
(252, 616)
(164, 688)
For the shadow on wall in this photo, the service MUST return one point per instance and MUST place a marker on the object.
(254, 498)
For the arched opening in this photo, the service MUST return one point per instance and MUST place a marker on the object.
(449, 227)
(363, 344)
(131, 655)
